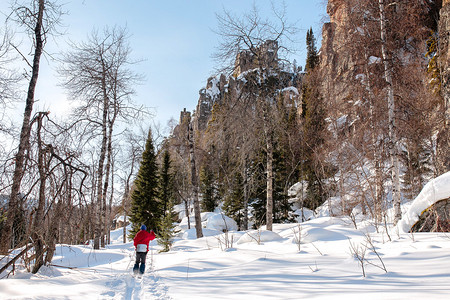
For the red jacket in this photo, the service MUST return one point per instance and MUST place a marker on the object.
(144, 237)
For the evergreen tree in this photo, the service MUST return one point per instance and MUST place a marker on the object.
(313, 129)
(165, 182)
(312, 56)
(207, 189)
(166, 225)
(313, 118)
(233, 204)
(258, 192)
(281, 205)
(167, 228)
(146, 208)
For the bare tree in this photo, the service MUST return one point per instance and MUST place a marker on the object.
(393, 143)
(253, 42)
(97, 72)
(8, 78)
(39, 18)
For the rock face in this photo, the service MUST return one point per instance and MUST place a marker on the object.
(217, 88)
(434, 219)
(267, 54)
(340, 66)
(337, 67)
(444, 55)
(214, 91)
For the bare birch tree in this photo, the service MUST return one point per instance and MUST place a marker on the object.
(97, 72)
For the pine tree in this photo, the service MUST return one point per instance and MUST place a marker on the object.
(281, 204)
(207, 189)
(233, 204)
(167, 228)
(313, 117)
(146, 208)
(312, 56)
(165, 182)
(166, 225)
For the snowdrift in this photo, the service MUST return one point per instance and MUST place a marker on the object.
(259, 236)
(434, 191)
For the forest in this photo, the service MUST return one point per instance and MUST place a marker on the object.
(363, 123)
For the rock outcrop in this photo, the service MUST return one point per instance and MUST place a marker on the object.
(436, 218)
(444, 56)
(246, 62)
(212, 93)
(336, 65)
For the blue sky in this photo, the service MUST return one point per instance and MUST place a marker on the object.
(174, 38)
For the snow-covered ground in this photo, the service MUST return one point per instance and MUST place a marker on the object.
(255, 265)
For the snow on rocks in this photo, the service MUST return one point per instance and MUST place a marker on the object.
(303, 214)
(435, 190)
(191, 234)
(296, 188)
(221, 222)
(213, 223)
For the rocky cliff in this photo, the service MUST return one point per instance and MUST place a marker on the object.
(336, 65)
(444, 55)
(219, 86)
(351, 46)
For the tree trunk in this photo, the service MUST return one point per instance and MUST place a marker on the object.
(393, 143)
(124, 200)
(269, 164)
(198, 219)
(269, 204)
(109, 212)
(13, 207)
(38, 226)
(186, 210)
(53, 233)
(105, 215)
(378, 195)
(246, 193)
(98, 223)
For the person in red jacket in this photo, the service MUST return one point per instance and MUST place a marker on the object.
(141, 241)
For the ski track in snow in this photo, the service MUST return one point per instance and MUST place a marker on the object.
(150, 286)
(147, 287)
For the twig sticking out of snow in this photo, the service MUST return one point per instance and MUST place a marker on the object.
(359, 252)
(317, 249)
(372, 247)
(315, 269)
(298, 236)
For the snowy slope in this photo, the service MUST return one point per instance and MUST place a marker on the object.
(253, 265)
(324, 268)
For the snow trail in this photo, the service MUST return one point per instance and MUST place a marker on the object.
(148, 286)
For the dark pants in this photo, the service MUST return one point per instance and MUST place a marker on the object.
(140, 259)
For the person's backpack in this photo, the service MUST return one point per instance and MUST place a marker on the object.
(141, 248)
